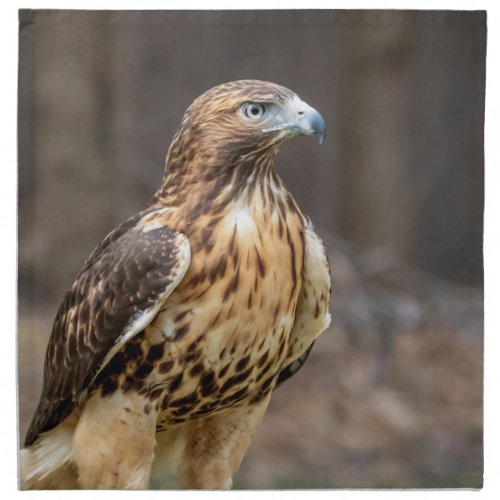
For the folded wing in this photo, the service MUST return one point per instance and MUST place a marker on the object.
(311, 316)
(119, 291)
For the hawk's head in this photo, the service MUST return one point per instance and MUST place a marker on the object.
(242, 119)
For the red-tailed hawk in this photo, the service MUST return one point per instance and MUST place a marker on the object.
(166, 348)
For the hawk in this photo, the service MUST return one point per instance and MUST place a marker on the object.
(167, 346)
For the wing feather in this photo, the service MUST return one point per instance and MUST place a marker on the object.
(118, 292)
(311, 315)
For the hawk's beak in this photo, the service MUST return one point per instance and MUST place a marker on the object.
(300, 118)
(311, 122)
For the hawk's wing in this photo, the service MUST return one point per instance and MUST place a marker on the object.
(116, 295)
(311, 315)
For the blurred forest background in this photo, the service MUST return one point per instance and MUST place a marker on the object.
(391, 395)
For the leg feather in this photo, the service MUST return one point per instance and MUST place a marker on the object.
(114, 441)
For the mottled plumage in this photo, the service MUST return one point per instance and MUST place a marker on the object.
(167, 346)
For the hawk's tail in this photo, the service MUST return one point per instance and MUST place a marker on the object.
(47, 463)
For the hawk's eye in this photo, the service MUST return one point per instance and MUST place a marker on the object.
(253, 110)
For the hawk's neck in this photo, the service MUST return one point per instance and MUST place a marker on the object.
(207, 187)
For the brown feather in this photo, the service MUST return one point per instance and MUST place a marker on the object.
(108, 294)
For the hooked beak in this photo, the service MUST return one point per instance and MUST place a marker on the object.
(300, 118)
